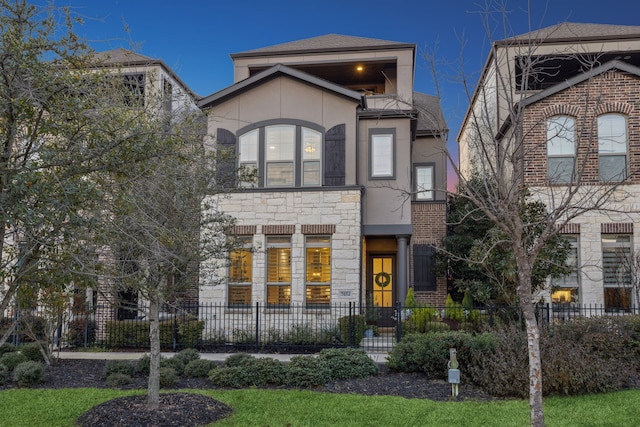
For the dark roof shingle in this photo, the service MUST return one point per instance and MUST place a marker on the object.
(326, 43)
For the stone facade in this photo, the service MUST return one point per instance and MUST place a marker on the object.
(297, 213)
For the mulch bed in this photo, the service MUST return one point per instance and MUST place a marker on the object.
(191, 409)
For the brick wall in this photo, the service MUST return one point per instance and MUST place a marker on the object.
(429, 227)
(611, 92)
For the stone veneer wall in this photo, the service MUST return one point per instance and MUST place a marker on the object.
(429, 227)
(298, 212)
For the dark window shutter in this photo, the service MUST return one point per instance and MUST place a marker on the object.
(226, 160)
(424, 277)
(334, 153)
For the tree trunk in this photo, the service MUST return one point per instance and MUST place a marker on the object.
(535, 364)
(153, 389)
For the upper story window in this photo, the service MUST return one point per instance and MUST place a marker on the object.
(612, 147)
(561, 149)
(248, 154)
(284, 155)
(423, 182)
(382, 154)
(134, 85)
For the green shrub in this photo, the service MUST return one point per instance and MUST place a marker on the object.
(239, 359)
(422, 319)
(32, 351)
(199, 368)
(4, 375)
(587, 355)
(346, 363)
(118, 379)
(143, 365)
(168, 376)
(429, 353)
(118, 367)
(351, 329)
(190, 332)
(307, 371)
(135, 334)
(231, 376)
(176, 363)
(300, 334)
(187, 355)
(267, 370)
(28, 373)
(12, 359)
(7, 348)
(453, 310)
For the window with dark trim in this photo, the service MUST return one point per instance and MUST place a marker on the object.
(423, 182)
(382, 154)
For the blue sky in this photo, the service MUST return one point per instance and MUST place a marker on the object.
(195, 37)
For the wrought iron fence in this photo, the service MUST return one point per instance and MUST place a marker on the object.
(214, 327)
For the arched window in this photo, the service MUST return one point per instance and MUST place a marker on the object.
(561, 148)
(612, 147)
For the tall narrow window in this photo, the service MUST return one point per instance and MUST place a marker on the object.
(382, 155)
(278, 270)
(134, 93)
(241, 273)
(561, 149)
(566, 288)
(616, 274)
(612, 147)
(311, 156)
(280, 155)
(424, 182)
(318, 270)
(248, 157)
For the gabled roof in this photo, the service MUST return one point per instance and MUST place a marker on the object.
(270, 73)
(326, 43)
(574, 31)
(127, 58)
(579, 78)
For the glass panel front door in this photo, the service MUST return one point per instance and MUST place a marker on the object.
(382, 288)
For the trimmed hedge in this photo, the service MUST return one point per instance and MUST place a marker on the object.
(28, 373)
(135, 333)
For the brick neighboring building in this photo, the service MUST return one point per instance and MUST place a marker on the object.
(581, 119)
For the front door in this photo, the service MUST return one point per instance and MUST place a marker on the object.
(382, 288)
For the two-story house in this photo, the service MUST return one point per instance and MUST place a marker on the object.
(574, 90)
(348, 200)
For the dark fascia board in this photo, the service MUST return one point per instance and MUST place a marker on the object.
(388, 114)
(577, 79)
(387, 229)
(270, 73)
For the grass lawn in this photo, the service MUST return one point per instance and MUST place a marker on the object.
(254, 407)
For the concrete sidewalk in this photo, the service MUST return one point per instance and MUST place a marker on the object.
(378, 357)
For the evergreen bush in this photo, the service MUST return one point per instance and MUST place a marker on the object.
(168, 376)
(352, 329)
(28, 373)
(32, 351)
(118, 367)
(307, 371)
(346, 363)
(118, 379)
(12, 359)
(199, 368)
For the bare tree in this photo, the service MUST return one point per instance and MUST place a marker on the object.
(519, 138)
